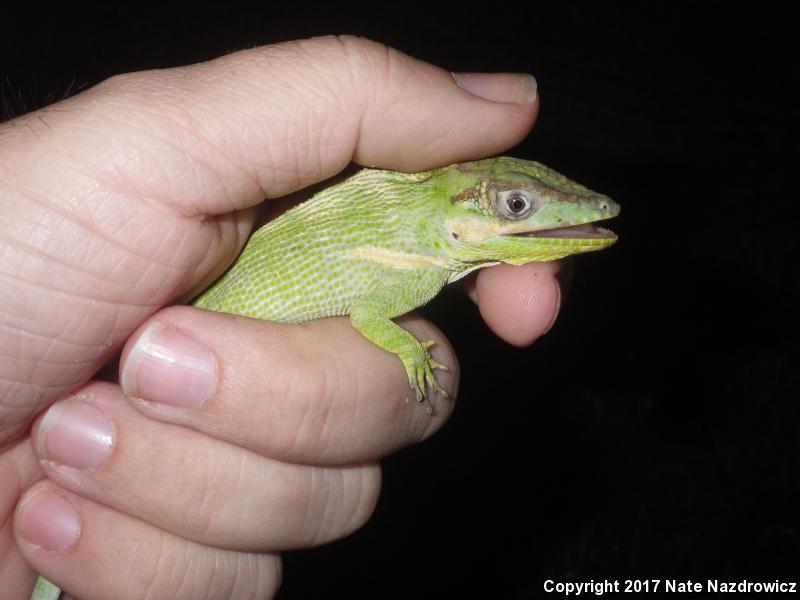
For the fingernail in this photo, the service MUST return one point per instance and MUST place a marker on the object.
(516, 88)
(166, 365)
(50, 521)
(75, 434)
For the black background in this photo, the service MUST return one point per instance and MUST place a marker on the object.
(653, 432)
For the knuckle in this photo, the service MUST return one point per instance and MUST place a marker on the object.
(344, 500)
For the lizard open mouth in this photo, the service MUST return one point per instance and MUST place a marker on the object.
(586, 231)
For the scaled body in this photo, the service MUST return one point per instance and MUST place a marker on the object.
(319, 258)
(382, 243)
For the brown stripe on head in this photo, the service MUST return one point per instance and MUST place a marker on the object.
(504, 173)
(481, 195)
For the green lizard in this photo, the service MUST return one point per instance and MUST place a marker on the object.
(383, 243)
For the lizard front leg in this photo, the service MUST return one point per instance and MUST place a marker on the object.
(371, 316)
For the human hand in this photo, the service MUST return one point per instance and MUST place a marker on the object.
(247, 437)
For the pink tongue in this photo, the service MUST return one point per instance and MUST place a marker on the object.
(587, 230)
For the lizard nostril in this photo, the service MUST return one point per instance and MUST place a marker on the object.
(604, 206)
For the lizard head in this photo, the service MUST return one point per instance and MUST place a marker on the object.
(517, 211)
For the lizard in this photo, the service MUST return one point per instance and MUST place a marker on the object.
(382, 243)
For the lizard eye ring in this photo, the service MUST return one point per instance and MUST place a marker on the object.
(515, 204)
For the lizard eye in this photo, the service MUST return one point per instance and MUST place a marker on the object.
(515, 204)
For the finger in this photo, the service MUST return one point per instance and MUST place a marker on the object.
(521, 303)
(93, 551)
(312, 393)
(197, 487)
(18, 471)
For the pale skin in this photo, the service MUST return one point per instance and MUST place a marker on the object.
(134, 195)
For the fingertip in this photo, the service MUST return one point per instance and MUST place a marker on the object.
(165, 364)
(519, 303)
(48, 520)
(423, 116)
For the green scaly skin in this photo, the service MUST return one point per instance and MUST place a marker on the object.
(383, 243)
(44, 590)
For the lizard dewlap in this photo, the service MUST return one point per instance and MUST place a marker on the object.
(383, 243)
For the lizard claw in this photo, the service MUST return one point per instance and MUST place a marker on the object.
(421, 376)
(433, 364)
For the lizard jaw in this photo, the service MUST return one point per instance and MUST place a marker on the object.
(586, 231)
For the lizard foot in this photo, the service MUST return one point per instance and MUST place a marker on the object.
(421, 376)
